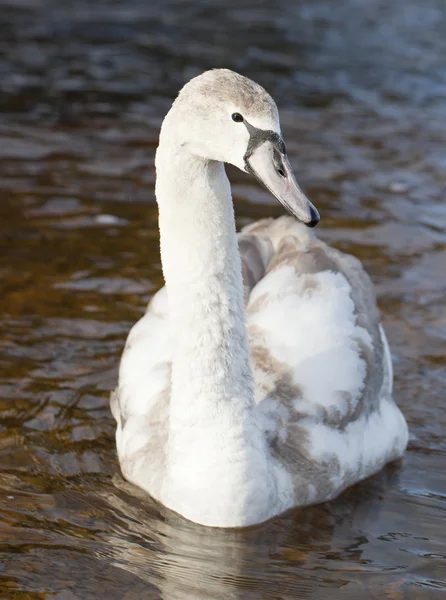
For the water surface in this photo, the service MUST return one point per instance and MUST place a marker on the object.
(361, 86)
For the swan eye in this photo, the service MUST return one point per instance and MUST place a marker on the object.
(237, 117)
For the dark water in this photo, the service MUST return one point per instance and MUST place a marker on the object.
(84, 86)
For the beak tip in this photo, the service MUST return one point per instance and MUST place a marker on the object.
(312, 223)
(315, 217)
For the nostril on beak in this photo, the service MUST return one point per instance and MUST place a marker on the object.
(278, 164)
(315, 218)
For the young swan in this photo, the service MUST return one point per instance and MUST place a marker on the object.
(241, 397)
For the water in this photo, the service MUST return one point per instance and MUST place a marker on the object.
(361, 86)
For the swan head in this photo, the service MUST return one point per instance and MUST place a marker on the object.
(226, 117)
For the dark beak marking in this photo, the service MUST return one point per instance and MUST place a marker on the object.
(258, 136)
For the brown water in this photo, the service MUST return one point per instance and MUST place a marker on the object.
(84, 86)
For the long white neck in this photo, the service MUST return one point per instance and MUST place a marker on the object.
(202, 271)
(214, 438)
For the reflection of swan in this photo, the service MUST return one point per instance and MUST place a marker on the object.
(289, 557)
(188, 562)
(231, 415)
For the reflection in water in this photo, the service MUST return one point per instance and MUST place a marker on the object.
(185, 561)
(85, 85)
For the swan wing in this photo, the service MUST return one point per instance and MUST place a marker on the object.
(140, 404)
(321, 363)
(255, 252)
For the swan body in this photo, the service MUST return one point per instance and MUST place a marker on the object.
(259, 378)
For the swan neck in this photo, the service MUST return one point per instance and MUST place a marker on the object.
(215, 438)
(202, 270)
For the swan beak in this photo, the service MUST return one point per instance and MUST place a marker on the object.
(272, 168)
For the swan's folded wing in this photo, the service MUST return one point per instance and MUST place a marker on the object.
(321, 364)
(140, 404)
(314, 311)
(255, 253)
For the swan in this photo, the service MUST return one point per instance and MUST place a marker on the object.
(259, 378)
